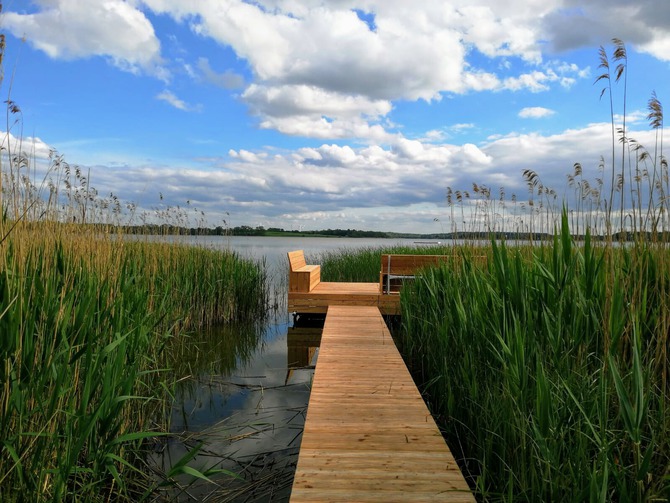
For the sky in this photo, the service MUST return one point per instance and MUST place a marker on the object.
(308, 114)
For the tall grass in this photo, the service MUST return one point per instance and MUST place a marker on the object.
(87, 324)
(75, 349)
(550, 390)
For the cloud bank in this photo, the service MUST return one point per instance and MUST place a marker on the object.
(332, 73)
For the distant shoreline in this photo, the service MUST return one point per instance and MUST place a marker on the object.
(353, 233)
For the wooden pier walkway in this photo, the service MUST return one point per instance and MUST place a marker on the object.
(368, 434)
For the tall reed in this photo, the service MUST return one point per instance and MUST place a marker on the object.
(550, 390)
(87, 322)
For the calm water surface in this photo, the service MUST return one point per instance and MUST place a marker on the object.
(244, 392)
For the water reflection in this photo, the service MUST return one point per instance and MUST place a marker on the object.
(242, 398)
(302, 345)
(199, 361)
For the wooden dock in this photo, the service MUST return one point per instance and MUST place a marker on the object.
(326, 294)
(307, 294)
(368, 434)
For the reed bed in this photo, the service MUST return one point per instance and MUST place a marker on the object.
(545, 365)
(548, 369)
(90, 323)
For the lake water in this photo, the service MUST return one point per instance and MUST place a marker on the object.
(274, 249)
(245, 390)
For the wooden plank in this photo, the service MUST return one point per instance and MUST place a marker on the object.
(352, 294)
(396, 268)
(368, 434)
(410, 264)
(354, 288)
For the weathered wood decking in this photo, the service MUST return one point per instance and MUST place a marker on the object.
(368, 434)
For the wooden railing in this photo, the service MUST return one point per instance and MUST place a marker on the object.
(397, 268)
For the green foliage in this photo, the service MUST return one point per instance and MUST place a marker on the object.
(87, 324)
(544, 369)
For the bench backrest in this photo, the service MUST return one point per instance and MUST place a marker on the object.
(409, 264)
(297, 259)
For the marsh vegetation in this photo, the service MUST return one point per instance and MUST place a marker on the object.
(92, 326)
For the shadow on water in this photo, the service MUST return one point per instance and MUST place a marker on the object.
(241, 400)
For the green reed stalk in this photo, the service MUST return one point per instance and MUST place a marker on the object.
(516, 363)
(85, 322)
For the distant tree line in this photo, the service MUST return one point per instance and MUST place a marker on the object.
(247, 230)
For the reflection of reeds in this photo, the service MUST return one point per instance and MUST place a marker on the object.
(258, 443)
(211, 352)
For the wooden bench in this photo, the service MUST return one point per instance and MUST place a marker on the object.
(302, 277)
(397, 268)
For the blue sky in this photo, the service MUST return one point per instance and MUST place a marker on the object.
(325, 114)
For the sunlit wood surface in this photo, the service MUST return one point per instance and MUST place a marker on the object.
(342, 294)
(368, 434)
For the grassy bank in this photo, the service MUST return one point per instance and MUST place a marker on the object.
(88, 322)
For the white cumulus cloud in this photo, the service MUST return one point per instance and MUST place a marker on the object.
(71, 29)
(535, 112)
